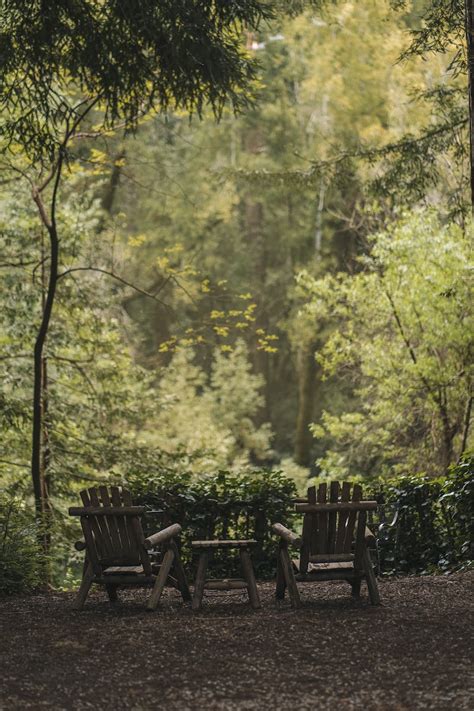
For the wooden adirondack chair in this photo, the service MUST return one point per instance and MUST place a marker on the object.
(117, 550)
(333, 545)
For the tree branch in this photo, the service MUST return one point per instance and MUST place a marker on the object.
(118, 278)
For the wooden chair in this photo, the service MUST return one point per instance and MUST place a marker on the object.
(117, 552)
(333, 545)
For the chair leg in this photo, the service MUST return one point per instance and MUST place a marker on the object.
(280, 580)
(355, 585)
(183, 586)
(371, 579)
(112, 592)
(161, 579)
(249, 576)
(83, 591)
(290, 577)
(200, 579)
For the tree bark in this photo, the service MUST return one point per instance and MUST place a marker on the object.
(109, 195)
(38, 472)
(469, 17)
(37, 468)
(306, 391)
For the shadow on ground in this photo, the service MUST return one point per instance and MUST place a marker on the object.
(413, 652)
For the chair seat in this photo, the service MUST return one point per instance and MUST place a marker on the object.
(316, 567)
(124, 570)
(130, 569)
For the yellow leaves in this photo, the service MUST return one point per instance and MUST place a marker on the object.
(97, 156)
(176, 249)
(162, 263)
(217, 314)
(168, 345)
(241, 325)
(226, 348)
(246, 296)
(263, 343)
(221, 331)
(205, 286)
(136, 241)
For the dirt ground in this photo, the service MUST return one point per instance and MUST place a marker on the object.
(413, 652)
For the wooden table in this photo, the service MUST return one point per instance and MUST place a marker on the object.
(248, 582)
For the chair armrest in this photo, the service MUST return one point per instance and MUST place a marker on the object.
(80, 545)
(162, 536)
(369, 537)
(288, 536)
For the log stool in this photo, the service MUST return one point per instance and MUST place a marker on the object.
(249, 583)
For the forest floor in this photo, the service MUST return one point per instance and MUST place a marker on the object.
(413, 652)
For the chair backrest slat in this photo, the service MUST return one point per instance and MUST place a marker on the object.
(360, 540)
(332, 517)
(105, 541)
(341, 524)
(117, 501)
(351, 519)
(309, 533)
(91, 546)
(330, 531)
(111, 522)
(322, 521)
(136, 536)
(113, 539)
(99, 543)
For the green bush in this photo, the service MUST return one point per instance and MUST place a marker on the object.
(221, 505)
(20, 556)
(435, 523)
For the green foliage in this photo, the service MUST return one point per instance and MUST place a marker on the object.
(211, 418)
(435, 523)
(225, 504)
(401, 333)
(20, 554)
(130, 57)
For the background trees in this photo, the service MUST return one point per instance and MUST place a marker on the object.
(404, 341)
(181, 335)
(63, 62)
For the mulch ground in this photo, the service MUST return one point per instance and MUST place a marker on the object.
(413, 652)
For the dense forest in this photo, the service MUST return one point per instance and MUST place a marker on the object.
(281, 281)
(236, 354)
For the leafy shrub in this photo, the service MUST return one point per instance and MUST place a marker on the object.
(221, 505)
(20, 556)
(435, 522)
(457, 511)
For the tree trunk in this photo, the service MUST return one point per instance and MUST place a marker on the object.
(110, 192)
(306, 391)
(469, 6)
(39, 400)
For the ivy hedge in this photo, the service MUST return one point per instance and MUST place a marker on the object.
(221, 505)
(435, 522)
(20, 555)
(434, 530)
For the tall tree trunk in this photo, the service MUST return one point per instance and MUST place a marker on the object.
(39, 400)
(469, 5)
(110, 192)
(307, 375)
(45, 449)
